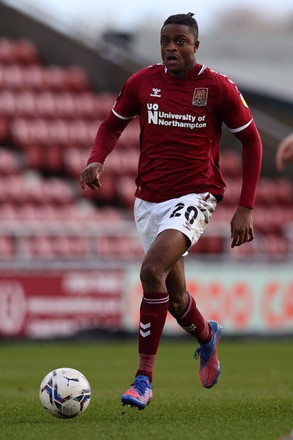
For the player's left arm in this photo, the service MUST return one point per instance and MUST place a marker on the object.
(242, 222)
(238, 118)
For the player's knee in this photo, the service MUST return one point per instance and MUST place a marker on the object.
(151, 273)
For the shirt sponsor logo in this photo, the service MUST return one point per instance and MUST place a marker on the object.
(169, 119)
(200, 97)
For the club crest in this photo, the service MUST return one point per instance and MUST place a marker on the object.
(200, 97)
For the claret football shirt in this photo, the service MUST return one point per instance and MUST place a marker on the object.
(181, 123)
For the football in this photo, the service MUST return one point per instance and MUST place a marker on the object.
(65, 393)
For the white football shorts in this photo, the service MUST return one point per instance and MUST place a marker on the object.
(189, 214)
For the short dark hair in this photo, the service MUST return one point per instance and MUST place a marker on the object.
(186, 19)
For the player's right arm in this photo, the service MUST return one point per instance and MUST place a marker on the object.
(107, 137)
(108, 134)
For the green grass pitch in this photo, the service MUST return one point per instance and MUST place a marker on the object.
(253, 399)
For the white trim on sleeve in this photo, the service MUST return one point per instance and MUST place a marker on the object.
(236, 130)
(122, 117)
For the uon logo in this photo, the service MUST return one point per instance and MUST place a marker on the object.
(153, 113)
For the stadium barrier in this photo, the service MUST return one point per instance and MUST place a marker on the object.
(44, 304)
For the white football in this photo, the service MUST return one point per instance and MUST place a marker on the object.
(65, 393)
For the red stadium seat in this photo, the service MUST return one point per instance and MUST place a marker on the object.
(78, 132)
(104, 102)
(57, 191)
(8, 212)
(7, 52)
(76, 79)
(53, 159)
(284, 191)
(12, 77)
(125, 189)
(85, 105)
(25, 52)
(7, 104)
(58, 132)
(65, 105)
(78, 246)
(276, 247)
(21, 133)
(34, 157)
(6, 247)
(9, 162)
(231, 165)
(61, 246)
(233, 190)
(33, 77)
(45, 105)
(25, 104)
(41, 247)
(4, 130)
(21, 51)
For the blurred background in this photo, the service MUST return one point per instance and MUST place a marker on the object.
(69, 260)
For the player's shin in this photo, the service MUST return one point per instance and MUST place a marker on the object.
(153, 312)
(194, 323)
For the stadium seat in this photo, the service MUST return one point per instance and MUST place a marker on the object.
(61, 246)
(57, 191)
(231, 165)
(7, 52)
(34, 158)
(8, 104)
(233, 190)
(53, 158)
(33, 78)
(25, 52)
(25, 104)
(284, 191)
(41, 246)
(105, 102)
(65, 105)
(9, 162)
(76, 79)
(125, 189)
(85, 105)
(126, 248)
(58, 132)
(12, 77)
(54, 78)
(7, 249)
(276, 247)
(45, 104)
(78, 132)
(22, 51)
(8, 212)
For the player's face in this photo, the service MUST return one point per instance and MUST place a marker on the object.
(178, 48)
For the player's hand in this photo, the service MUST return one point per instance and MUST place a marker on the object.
(91, 176)
(242, 226)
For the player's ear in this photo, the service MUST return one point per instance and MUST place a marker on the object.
(196, 45)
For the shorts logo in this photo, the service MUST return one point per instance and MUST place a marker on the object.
(200, 97)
